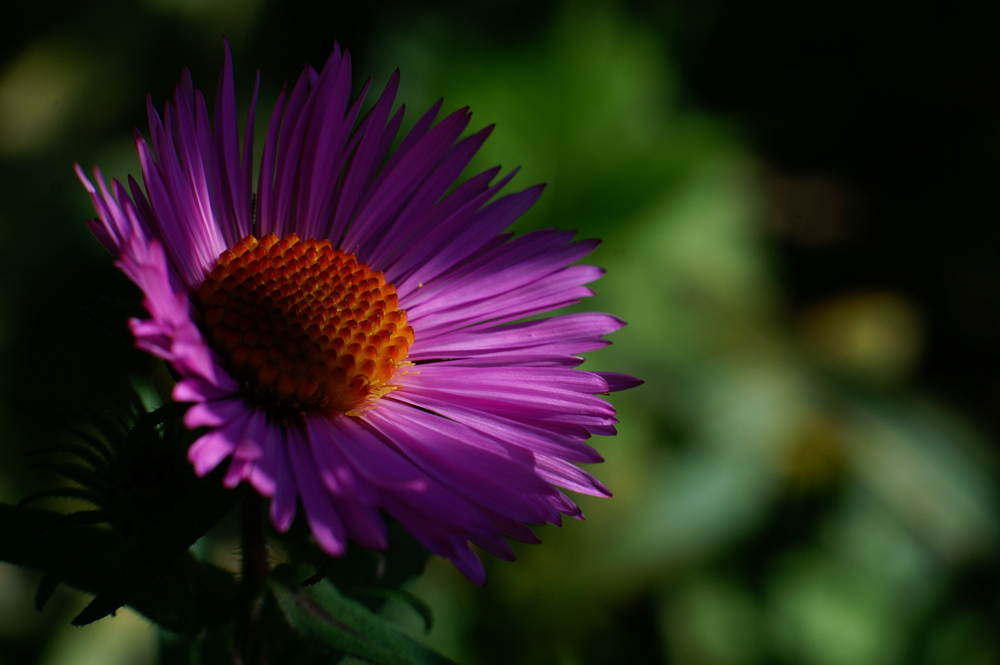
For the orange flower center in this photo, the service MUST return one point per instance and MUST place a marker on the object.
(303, 325)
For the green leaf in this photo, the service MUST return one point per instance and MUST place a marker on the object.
(114, 327)
(107, 429)
(81, 517)
(187, 595)
(191, 517)
(321, 613)
(75, 553)
(319, 575)
(46, 588)
(63, 493)
(404, 559)
(149, 422)
(95, 453)
(78, 473)
(417, 604)
(101, 452)
(132, 466)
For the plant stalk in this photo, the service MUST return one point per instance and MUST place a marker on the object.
(255, 567)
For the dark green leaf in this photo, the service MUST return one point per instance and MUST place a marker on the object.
(46, 588)
(63, 493)
(319, 575)
(187, 595)
(321, 613)
(114, 328)
(75, 553)
(99, 445)
(149, 422)
(404, 559)
(197, 511)
(95, 453)
(419, 605)
(76, 472)
(112, 433)
(80, 517)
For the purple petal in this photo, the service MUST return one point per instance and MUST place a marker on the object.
(325, 138)
(568, 446)
(618, 381)
(266, 218)
(215, 413)
(475, 467)
(477, 229)
(560, 289)
(323, 520)
(547, 341)
(208, 451)
(356, 502)
(228, 149)
(522, 261)
(197, 389)
(403, 180)
(367, 157)
(286, 492)
(398, 230)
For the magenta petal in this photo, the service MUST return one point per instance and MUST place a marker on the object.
(563, 474)
(618, 381)
(477, 229)
(323, 520)
(286, 492)
(509, 431)
(483, 472)
(208, 451)
(265, 473)
(568, 334)
(524, 260)
(213, 414)
(560, 289)
(197, 389)
(248, 451)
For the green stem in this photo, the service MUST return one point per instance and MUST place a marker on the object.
(255, 568)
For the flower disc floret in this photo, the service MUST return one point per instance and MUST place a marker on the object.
(304, 326)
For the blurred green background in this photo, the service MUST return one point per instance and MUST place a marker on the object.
(798, 209)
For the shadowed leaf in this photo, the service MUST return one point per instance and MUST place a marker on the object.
(149, 422)
(75, 472)
(195, 512)
(46, 588)
(96, 453)
(80, 517)
(323, 614)
(63, 493)
(417, 604)
(185, 596)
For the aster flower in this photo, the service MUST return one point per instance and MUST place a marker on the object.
(352, 336)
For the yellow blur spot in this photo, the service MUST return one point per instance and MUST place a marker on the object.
(38, 91)
(233, 17)
(123, 639)
(876, 336)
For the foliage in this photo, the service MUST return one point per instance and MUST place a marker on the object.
(133, 547)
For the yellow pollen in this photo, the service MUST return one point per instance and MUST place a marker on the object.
(304, 326)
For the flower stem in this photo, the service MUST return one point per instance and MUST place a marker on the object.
(255, 567)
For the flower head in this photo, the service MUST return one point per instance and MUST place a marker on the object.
(352, 336)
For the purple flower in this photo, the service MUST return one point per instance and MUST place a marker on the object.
(349, 338)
